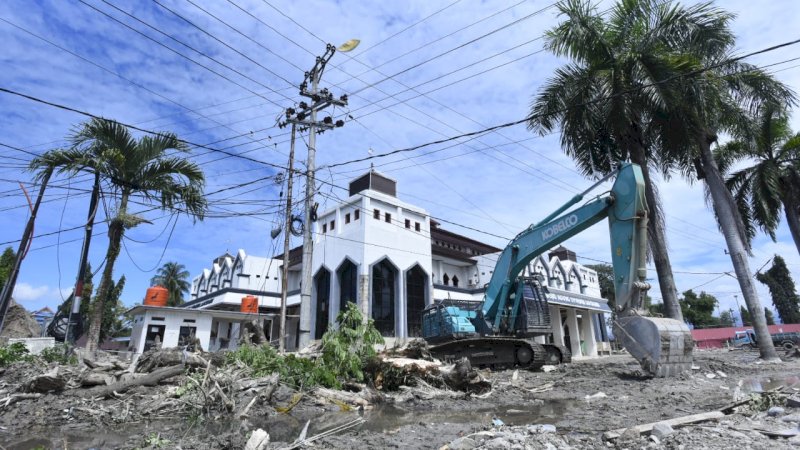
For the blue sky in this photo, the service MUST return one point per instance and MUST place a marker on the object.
(424, 71)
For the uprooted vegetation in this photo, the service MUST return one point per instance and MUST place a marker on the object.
(254, 382)
(345, 351)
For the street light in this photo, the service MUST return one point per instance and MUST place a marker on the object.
(318, 102)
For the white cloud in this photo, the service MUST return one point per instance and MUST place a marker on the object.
(24, 292)
(500, 190)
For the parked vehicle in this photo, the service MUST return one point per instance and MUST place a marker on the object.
(747, 339)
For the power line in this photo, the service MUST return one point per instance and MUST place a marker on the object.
(587, 103)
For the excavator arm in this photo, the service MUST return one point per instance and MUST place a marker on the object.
(662, 346)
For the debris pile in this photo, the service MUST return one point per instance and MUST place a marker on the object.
(19, 323)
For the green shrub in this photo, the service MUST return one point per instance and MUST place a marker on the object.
(13, 353)
(345, 351)
(60, 353)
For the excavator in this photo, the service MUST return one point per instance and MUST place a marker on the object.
(499, 332)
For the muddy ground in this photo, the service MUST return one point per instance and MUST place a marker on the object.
(581, 401)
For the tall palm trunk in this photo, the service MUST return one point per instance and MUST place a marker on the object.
(730, 221)
(115, 231)
(655, 228)
(790, 207)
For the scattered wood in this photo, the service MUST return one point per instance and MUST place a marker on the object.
(154, 359)
(50, 381)
(363, 398)
(150, 379)
(646, 428)
(258, 440)
(463, 377)
(90, 379)
(13, 398)
(328, 432)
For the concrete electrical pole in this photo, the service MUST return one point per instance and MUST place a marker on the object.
(287, 227)
(305, 117)
(24, 245)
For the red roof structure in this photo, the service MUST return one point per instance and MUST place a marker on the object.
(716, 337)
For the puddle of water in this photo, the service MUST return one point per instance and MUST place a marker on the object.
(389, 417)
(764, 384)
(286, 427)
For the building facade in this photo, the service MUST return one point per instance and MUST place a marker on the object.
(392, 260)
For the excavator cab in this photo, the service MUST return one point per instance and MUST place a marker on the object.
(533, 318)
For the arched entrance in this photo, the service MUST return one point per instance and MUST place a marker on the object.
(322, 284)
(384, 276)
(348, 283)
(416, 287)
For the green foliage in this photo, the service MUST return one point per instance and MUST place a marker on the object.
(175, 278)
(345, 352)
(295, 371)
(6, 264)
(699, 310)
(114, 320)
(726, 319)
(155, 440)
(744, 314)
(768, 315)
(346, 349)
(781, 287)
(60, 353)
(13, 353)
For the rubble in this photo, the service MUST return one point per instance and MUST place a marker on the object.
(104, 396)
(19, 323)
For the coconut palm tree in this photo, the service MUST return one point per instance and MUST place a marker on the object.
(615, 100)
(720, 95)
(128, 167)
(769, 182)
(174, 277)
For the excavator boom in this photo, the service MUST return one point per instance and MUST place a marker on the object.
(662, 346)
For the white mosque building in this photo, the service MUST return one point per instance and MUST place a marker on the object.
(391, 259)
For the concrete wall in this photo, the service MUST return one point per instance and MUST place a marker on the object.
(35, 345)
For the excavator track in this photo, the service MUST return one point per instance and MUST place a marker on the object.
(557, 354)
(496, 353)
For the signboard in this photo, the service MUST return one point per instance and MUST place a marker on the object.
(576, 302)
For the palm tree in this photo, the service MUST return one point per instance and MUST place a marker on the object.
(174, 277)
(129, 167)
(615, 100)
(769, 183)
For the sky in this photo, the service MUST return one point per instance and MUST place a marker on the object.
(221, 73)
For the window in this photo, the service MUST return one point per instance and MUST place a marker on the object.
(445, 279)
(455, 281)
(408, 223)
(416, 226)
(348, 284)
(388, 218)
(347, 218)
(333, 224)
(383, 301)
(356, 214)
(324, 228)
(376, 214)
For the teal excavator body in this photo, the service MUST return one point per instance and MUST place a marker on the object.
(499, 331)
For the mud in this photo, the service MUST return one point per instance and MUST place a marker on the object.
(581, 400)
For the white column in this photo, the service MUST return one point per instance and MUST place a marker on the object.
(556, 325)
(587, 333)
(574, 333)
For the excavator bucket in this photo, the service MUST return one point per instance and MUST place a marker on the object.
(662, 346)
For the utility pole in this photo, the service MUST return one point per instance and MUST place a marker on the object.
(738, 308)
(24, 245)
(287, 226)
(74, 321)
(306, 117)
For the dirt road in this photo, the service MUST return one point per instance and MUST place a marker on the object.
(574, 404)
